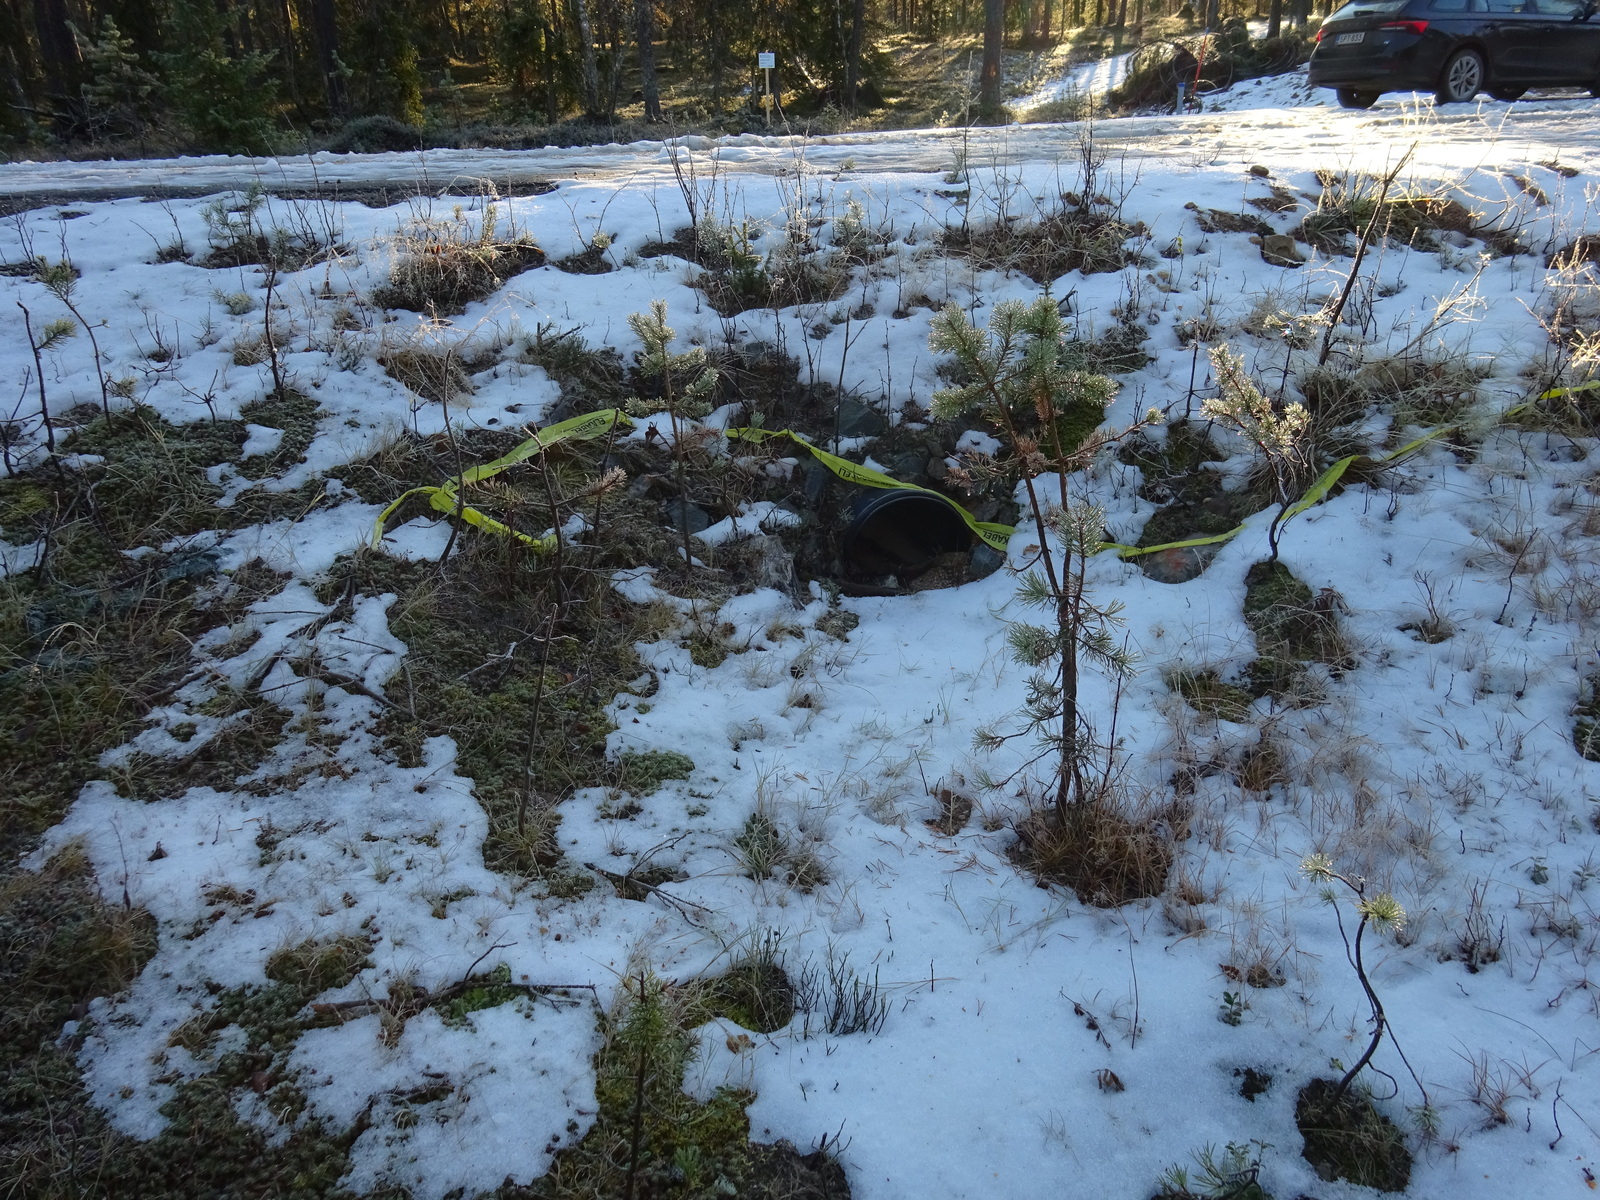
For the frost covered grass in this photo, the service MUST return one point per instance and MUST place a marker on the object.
(679, 847)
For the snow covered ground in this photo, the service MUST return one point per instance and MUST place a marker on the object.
(1443, 770)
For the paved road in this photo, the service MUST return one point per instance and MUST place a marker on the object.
(1461, 137)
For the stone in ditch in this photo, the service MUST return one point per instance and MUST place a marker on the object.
(985, 560)
(771, 565)
(1279, 250)
(860, 420)
(908, 466)
(1178, 565)
(679, 513)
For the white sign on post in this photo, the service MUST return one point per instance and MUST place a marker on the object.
(766, 60)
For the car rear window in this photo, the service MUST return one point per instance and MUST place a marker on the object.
(1450, 6)
(1369, 8)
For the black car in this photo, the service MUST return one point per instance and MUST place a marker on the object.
(1457, 48)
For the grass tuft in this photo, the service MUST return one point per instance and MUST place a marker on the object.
(1105, 856)
(1346, 1137)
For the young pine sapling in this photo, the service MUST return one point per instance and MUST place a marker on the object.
(1021, 376)
(686, 384)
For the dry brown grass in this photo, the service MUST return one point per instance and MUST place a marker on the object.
(441, 266)
(1106, 855)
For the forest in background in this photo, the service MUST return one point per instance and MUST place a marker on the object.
(137, 77)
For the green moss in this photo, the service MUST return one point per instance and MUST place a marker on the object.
(755, 992)
(490, 993)
(1207, 693)
(1077, 420)
(1292, 625)
(1346, 1137)
(645, 772)
(687, 1150)
(320, 966)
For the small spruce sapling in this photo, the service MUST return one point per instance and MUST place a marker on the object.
(686, 385)
(1277, 431)
(1021, 375)
(1382, 912)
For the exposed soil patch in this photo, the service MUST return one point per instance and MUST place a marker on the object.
(1292, 625)
(446, 276)
(1076, 237)
(1348, 1138)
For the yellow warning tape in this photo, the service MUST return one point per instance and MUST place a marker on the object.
(993, 534)
(1315, 494)
(446, 498)
(1560, 393)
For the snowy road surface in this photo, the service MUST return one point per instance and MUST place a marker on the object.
(1457, 138)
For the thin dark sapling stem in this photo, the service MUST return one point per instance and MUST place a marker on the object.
(1361, 252)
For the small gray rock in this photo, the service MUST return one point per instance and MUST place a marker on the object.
(1279, 250)
(908, 466)
(1178, 565)
(677, 513)
(818, 479)
(860, 420)
(985, 560)
(771, 565)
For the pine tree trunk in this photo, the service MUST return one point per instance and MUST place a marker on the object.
(989, 81)
(1275, 19)
(591, 72)
(852, 67)
(1031, 23)
(552, 102)
(291, 52)
(325, 22)
(58, 49)
(644, 14)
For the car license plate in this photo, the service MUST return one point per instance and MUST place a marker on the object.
(1349, 39)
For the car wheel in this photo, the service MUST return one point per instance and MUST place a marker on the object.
(1462, 78)
(1508, 94)
(1351, 98)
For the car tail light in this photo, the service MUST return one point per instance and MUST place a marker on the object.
(1416, 27)
(1320, 32)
